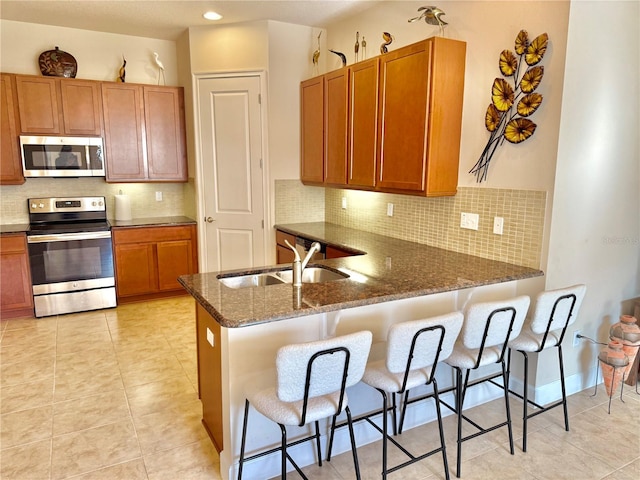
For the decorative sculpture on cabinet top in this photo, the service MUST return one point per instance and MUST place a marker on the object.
(388, 38)
(342, 57)
(122, 73)
(160, 67)
(432, 15)
(356, 47)
(316, 56)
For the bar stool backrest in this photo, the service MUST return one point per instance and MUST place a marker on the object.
(317, 368)
(557, 309)
(489, 324)
(435, 341)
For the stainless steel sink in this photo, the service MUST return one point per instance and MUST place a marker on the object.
(251, 280)
(309, 275)
(313, 275)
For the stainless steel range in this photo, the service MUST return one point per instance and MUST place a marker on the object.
(70, 255)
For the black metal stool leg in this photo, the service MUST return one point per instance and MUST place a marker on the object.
(436, 397)
(244, 438)
(354, 449)
(459, 403)
(384, 433)
(505, 378)
(283, 473)
(525, 397)
(333, 429)
(564, 390)
(318, 443)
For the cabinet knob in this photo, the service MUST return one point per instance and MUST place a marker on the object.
(209, 220)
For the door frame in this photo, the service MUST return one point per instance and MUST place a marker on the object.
(200, 194)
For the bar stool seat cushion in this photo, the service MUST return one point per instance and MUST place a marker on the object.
(465, 358)
(290, 413)
(388, 374)
(528, 341)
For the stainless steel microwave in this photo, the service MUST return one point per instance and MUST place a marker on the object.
(62, 156)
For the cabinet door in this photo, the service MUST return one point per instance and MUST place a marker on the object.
(38, 105)
(312, 131)
(363, 123)
(136, 271)
(15, 279)
(10, 159)
(165, 133)
(402, 134)
(335, 126)
(284, 254)
(174, 259)
(81, 107)
(123, 132)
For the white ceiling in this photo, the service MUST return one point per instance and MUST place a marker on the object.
(167, 19)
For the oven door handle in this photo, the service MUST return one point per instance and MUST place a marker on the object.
(66, 237)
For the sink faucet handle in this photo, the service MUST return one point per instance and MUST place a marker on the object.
(295, 251)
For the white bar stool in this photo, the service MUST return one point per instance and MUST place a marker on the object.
(414, 349)
(554, 311)
(486, 330)
(311, 382)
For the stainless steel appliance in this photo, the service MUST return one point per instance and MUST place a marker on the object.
(70, 254)
(62, 156)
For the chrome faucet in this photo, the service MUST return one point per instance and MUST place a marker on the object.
(299, 265)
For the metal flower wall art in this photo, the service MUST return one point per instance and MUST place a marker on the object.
(513, 98)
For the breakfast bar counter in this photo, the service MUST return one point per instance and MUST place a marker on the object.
(389, 269)
(239, 330)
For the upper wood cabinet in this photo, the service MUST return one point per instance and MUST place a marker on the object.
(58, 106)
(10, 159)
(336, 108)
(421, 93)
(403, 121)
(312, 131)
(145, 137)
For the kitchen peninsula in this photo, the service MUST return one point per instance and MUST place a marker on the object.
(239, 330)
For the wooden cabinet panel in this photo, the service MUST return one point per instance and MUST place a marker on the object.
(165, 130)
(81, 107)
(284, 254)
(404, 96)
(335, 252)
(135, 269)
(335, 126)
(16, 297)
(363, 119)
(312, 131)
(38, 104)
(210, 375)
(150, 259)
(10, 158)
(174, 259)
(123, 132)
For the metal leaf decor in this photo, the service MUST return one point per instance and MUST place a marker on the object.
(513, 99)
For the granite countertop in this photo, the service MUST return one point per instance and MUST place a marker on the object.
(152, 222)
(391, 269)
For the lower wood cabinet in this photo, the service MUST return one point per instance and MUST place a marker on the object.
(283, 253)
(16, 297)
(149, 260)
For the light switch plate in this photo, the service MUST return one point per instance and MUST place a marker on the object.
(469, 220)
(158, 196)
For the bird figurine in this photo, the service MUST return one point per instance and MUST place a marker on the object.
(364, 48)
(356, 47)
(316, 55)
(160, 67)
(122, 73)
(342, 57)
(388, 38)
(432, 15)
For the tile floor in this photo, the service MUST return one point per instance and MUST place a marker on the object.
(111, 394)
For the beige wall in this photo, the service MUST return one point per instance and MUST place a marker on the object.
(99, 55)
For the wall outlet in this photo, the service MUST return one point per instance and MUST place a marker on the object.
(210, 338)
(498, 225)
(389, 209)
(344, 203)
(158, 196)
(469, 220)
(576, 338)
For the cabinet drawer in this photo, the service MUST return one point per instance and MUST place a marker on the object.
(281, 237)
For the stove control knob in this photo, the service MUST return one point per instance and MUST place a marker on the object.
(94, 203)
(34, 205)
(41, 205)
(100, 203)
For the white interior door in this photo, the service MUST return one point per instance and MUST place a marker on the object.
(231, 184)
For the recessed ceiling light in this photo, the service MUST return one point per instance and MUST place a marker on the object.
(212, 15)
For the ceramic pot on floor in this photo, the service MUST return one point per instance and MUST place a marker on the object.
(613, 361)
(627, 332)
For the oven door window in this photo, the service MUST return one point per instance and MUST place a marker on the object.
(55, 261)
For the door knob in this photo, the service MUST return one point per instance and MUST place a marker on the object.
(209, 220)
